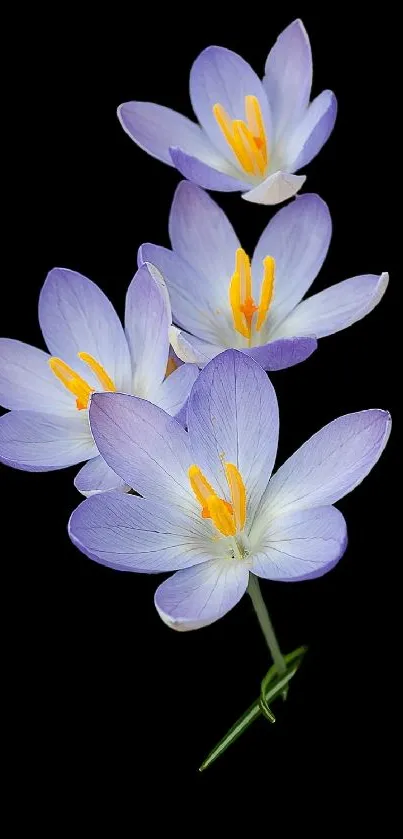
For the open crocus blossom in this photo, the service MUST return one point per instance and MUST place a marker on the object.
(49, 395)
(209, 511)
(253, 135)
(221, 299)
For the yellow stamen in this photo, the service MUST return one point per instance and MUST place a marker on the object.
(221, 516)
(75, 383)
(242, 146)
(266, 291)
(240, 294)
(72, 381)
(201, 488)
(224, 122)
(256, 125)
(229, 518)
(99, 371)
(247, 303)
(238, 494)
(247, 140)
(235, 302)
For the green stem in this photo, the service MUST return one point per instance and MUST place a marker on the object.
(266, 624)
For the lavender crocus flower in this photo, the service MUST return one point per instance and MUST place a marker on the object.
(252, 135)
(219, 299)
(209, 511)
(48, 426)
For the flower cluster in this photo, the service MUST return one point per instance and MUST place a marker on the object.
(173, 414)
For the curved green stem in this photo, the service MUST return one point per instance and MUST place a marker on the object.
(266, 624)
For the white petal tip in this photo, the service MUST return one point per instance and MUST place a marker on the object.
(275, 189)
(180, 346)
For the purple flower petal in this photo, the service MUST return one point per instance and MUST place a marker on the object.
(198, 596)
(207, 175)
(301, 545)
(172, 395)
(278, 355)
(312, 132)
(96, 476)
(147, 318)
(201, 234)
(27, 382)
(275, 355)
(191, 305)
(288, 77)
(132, 534)
(233, 416)
(298, 237)
(38, 442)
(336, 307)
(329, 465)
(155, 128)
(191, 349)
(76, 316)
(274, 189)
(144, 446)
(221, 76)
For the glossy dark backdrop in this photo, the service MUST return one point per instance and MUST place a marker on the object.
(97, 680)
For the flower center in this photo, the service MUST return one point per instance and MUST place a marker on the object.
(75, 383)
(240, 294)
(228, 517)
(246, 138)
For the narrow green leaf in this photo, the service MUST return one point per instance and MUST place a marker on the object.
(291, 658)
(240, 726)
(272, 686)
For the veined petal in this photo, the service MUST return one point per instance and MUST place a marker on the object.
(275, 188)
(329, 465)
(191, 349)
(336, 307)
(155, 128)
(233, 417)
(96, 476)
(76, 316)
(38, 442)
(312, 132)
(27, 382)
(298, 238)
(300, 545)
(172, 394)
(219, 175)
(221, 76)
(144, 446)
(198, 596)
(147, 318)
(191, 305)
(132, 534)
(201, 234)
(288, 77)
(277, 355)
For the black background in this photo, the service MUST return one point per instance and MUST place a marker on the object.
(102, 696)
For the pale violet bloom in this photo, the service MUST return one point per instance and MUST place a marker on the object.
(209, 511)
(49, 394)
(252, 135)
(220, 299)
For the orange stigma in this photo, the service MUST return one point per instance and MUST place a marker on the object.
(228, 517)
(75, 383)
(240, 294)
(246, 138)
